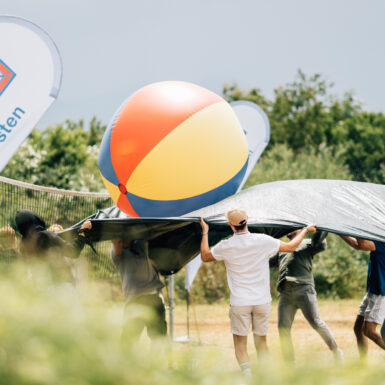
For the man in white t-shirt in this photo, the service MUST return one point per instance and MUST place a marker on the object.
(246, 257)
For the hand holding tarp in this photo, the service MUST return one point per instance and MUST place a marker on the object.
(85, 228)
(311, 228)
(204, 225)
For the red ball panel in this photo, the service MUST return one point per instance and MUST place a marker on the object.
(150, 115)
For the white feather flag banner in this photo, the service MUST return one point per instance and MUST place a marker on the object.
(256, 127)
(30, 79)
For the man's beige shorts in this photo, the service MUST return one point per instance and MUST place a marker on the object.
(242, 316)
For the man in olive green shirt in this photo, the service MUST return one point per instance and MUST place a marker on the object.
(296, 291)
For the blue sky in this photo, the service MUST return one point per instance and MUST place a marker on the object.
(112, 48)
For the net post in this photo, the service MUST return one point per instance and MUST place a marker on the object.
(171, 305)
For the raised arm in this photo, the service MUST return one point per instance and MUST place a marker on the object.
(365, 245)
(81, 239)
(48, 239)
(205, 249)
(117, 247)
(289, 247)
(358, 243)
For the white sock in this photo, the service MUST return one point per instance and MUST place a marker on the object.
(245, 367)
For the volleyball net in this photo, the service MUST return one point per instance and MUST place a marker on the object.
(63, 208)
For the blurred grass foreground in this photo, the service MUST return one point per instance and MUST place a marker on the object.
(50, 334)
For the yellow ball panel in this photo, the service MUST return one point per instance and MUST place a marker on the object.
(112, 189)
(202, 153)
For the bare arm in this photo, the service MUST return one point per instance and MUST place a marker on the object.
(48, 239)
(86, 226)
(289, 247)
(365, 245)
(79, 243)
(358, 243)
(205, 249)
(352, 242)
(117, 246)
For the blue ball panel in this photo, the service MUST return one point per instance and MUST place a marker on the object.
(156, 208)
(105, 162)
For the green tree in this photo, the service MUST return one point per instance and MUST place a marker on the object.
(63, 156)
(282, 163)
(305, 115)
(232, 93)
(299, 116)
(363, 139)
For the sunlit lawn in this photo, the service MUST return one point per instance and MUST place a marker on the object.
(212, 326)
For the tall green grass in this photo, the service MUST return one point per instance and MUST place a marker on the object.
(48, 335)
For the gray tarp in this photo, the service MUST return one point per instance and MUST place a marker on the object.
(341, 207)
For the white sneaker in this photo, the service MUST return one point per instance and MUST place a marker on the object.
(338, 355)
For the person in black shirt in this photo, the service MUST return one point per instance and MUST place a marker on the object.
(371, 312)
(37, 242)
(141, 286)
(297, 291)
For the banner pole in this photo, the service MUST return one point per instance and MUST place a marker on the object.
(171, 309)
(188, 313)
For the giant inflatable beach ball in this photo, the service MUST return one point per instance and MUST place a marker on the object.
(172, 148)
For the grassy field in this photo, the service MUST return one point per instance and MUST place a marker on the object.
(48, 336)
(212, 326)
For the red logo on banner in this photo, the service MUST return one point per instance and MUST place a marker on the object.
(6, 76)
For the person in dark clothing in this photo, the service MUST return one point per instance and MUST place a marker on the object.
(37, 242)
(371, 312)
(141, 286)
(296, 291)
